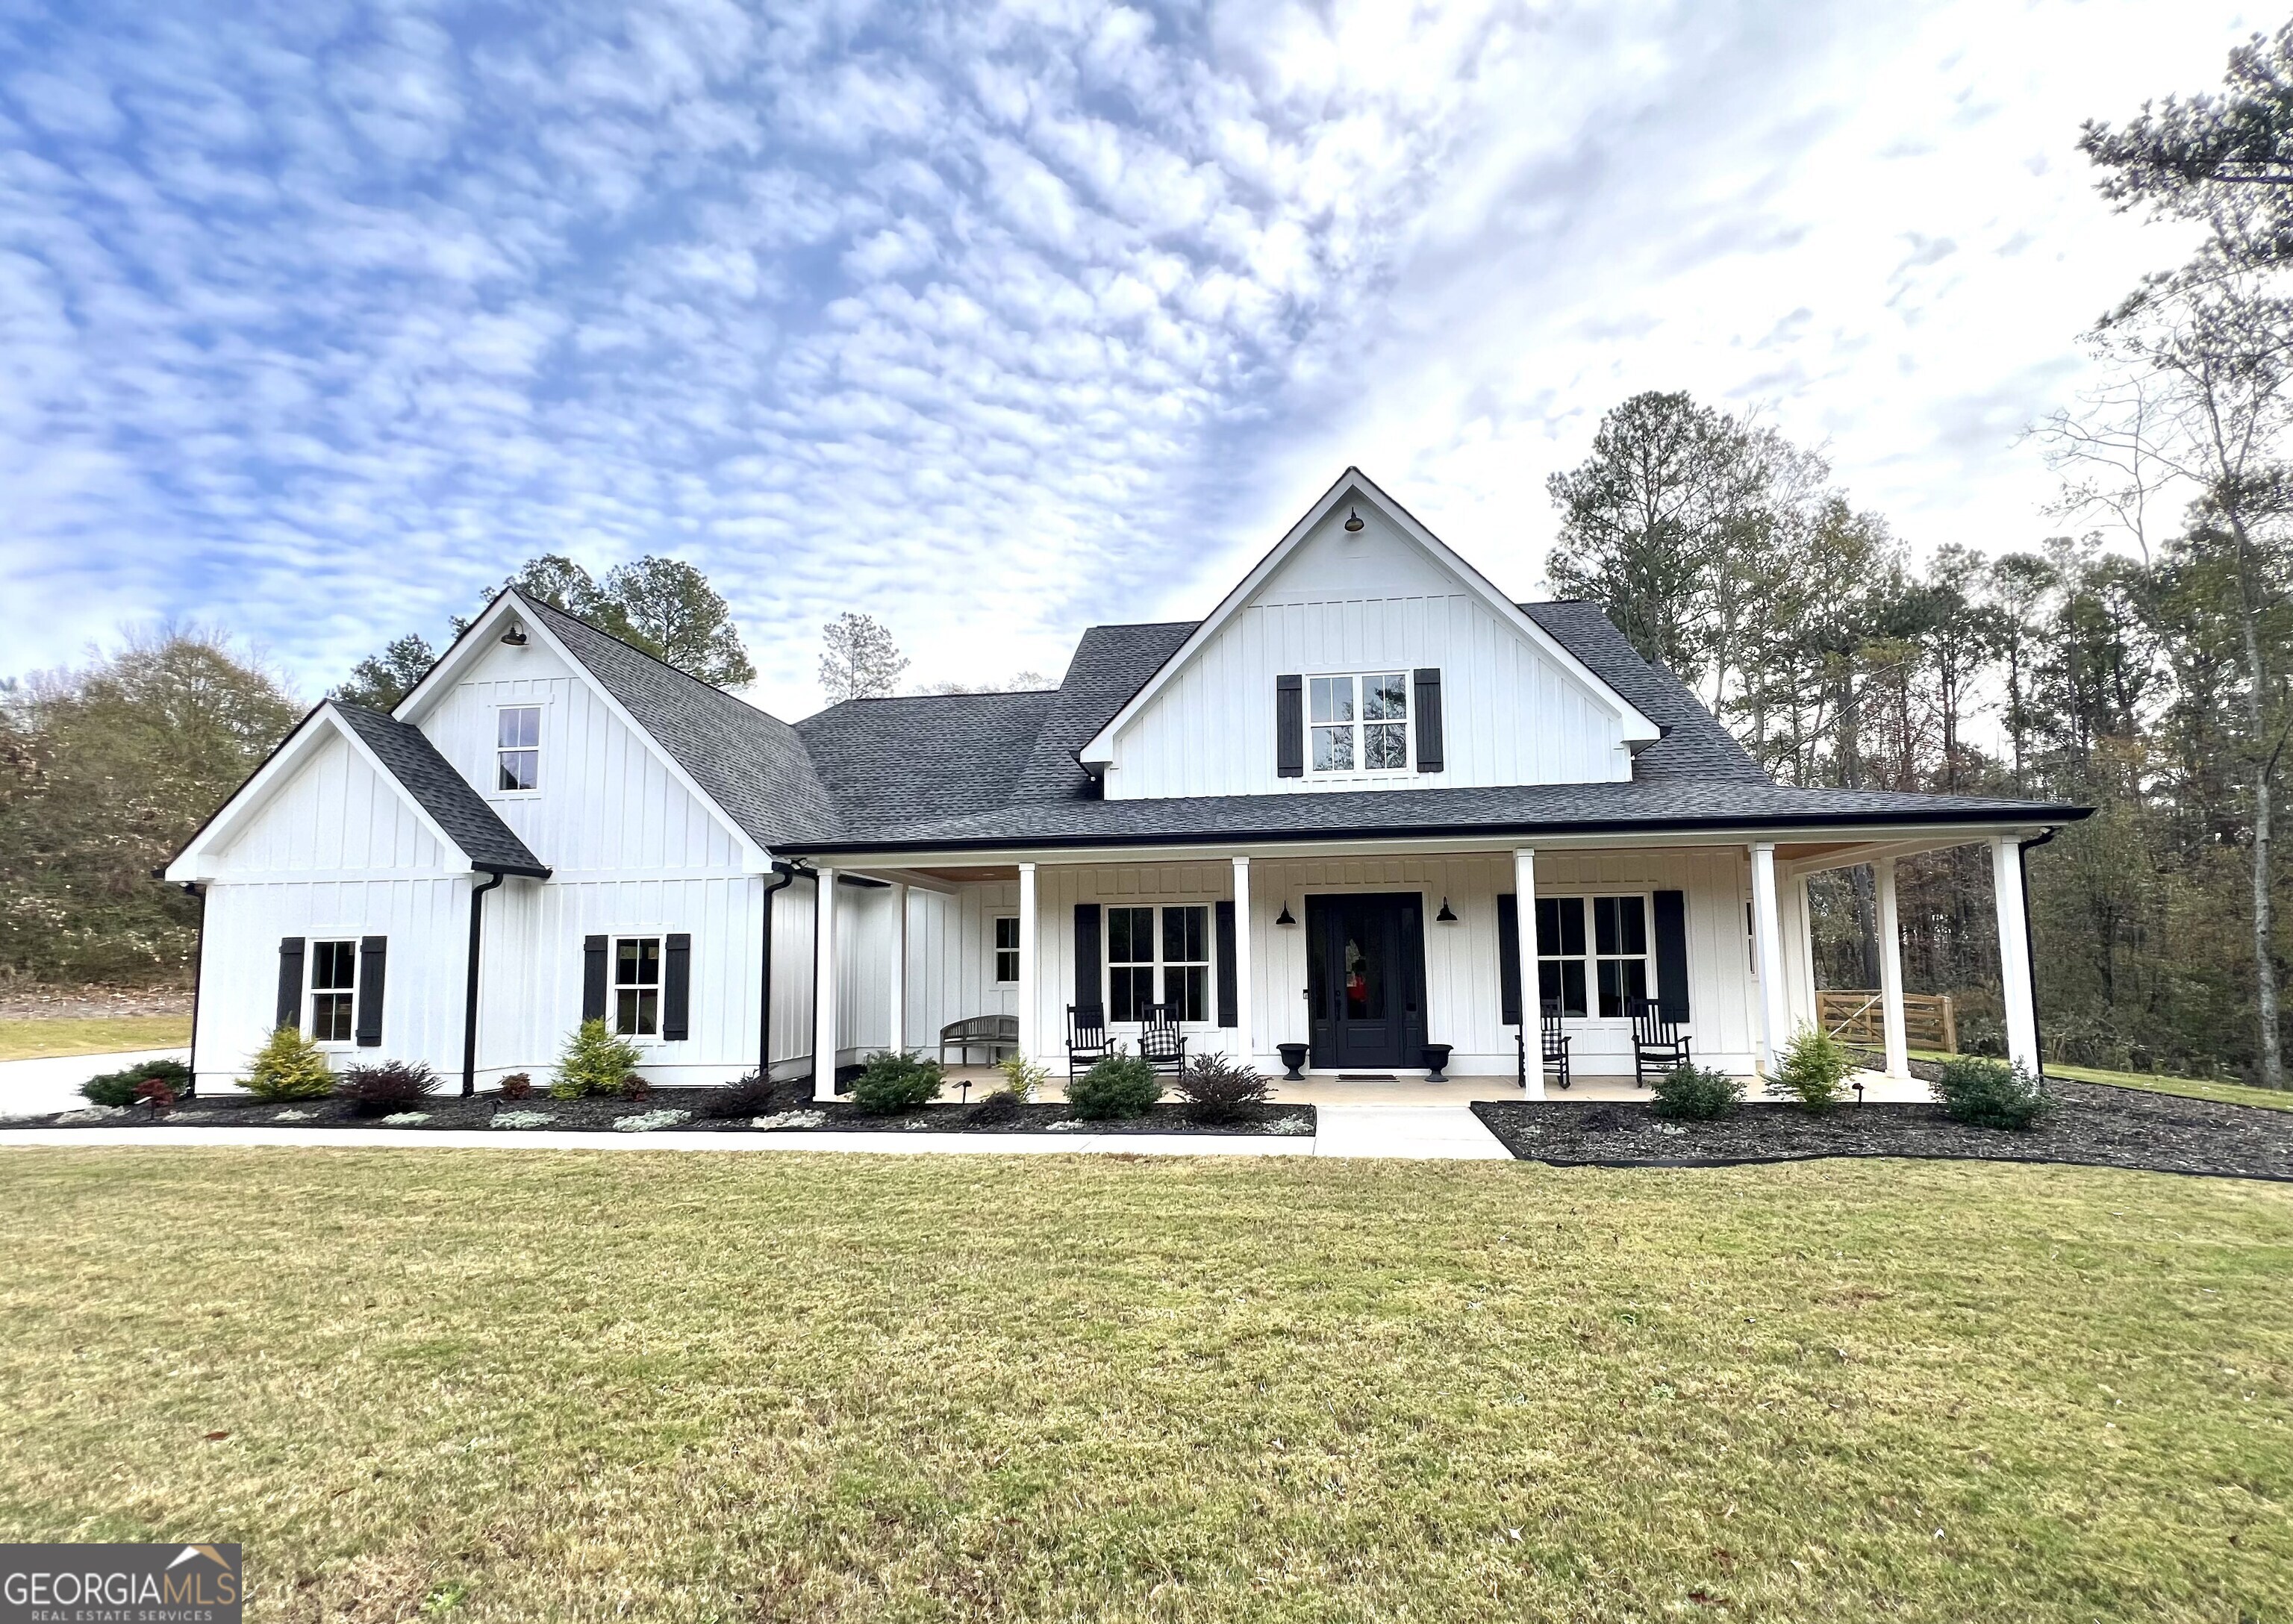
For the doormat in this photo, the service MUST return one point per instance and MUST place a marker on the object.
(1367, 1077)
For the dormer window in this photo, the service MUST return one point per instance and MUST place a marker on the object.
(1359, 724)
(517, 747)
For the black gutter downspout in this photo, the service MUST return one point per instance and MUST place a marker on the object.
(787, 872)
(470, 999)
(2029, 941)
(199, 963)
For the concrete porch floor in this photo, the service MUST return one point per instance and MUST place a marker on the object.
(1456, 1091)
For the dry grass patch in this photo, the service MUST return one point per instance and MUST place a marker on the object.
(38, 1038)
(671, 1387)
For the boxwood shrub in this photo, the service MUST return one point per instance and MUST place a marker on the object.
(1697, 1093)
(894, 1081)
(119, 1087)
(1991, 1094)
(1118, 1086)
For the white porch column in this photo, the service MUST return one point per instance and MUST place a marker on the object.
(1890, 974)
(823, 989)
(897, 976)
(1242, 981)
(1524, 909)
(1030, 961)
(1768, 956)
(2015, 953)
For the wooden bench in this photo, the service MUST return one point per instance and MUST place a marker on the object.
(998, 1035)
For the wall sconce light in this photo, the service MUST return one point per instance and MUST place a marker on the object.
(514, 636)
(1353, 522)
(1444, 916)
(1283, 918)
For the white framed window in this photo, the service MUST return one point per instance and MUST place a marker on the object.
(1598, 971)
(1358, 724)
(334, 991)
(1172, 955)
(636, 986)
(1006, 951)
(517, 748)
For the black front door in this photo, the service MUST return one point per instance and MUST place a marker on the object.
(1366, 980)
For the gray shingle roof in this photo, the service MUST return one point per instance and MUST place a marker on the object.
(443, 793)
(1695, 745)
(983, 769)
(751, 763)
(892, 761)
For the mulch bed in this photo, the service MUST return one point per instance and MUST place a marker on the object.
(2094, 1126)
(796, 1114)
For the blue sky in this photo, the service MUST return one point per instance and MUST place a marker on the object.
(317, 318)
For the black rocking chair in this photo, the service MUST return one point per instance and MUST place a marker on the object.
(1555, 1050)
(1162, 1042)
(1658, 1044)
(1087, 1039)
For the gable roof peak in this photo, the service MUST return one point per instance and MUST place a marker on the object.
(1354, 486)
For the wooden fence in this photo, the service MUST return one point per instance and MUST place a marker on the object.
(1855, 1016)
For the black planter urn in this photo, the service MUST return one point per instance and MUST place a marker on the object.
(1437, 1060)
(1293, 1055)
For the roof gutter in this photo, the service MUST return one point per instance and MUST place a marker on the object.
(787, 873)
(498, 871)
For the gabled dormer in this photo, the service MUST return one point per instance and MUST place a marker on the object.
(1362, 653)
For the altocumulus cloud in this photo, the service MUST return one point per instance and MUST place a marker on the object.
(316, 320)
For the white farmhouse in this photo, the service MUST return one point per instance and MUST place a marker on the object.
(1342, 811)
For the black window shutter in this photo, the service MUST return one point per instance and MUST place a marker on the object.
(290, 982)
(1288, 727)
(372, 950)
(1229, 1005)
(1672, 954)
(1429, 719)
(1086, 957)
(676, 988)
(592, 977)
(1509, 959)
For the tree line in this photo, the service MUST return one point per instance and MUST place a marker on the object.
(2135, 662)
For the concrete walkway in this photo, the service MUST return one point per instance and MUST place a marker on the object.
(1408, 1132)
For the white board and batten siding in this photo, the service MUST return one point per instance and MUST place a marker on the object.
(334, 853)
(1370, 602)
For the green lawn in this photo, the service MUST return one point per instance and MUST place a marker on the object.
(31, 1039)
(522, 1385)
(2188, 1088)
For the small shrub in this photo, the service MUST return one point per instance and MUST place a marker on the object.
(894, 1081)
(1991, 1094)
(516, 1086)
(634, 1087)
(523, 1118)
(750, 1096)
(154, 1091)
(1697, 1093)
(1815, 1063)
(393, 1085)
(1218, 1089)
(289, 1067)
(1118, 1086)
(121, 1087)
(1022, 1077)
(593, 1061)
(651, 1121)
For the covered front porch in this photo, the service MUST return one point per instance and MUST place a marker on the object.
(1364, 963)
